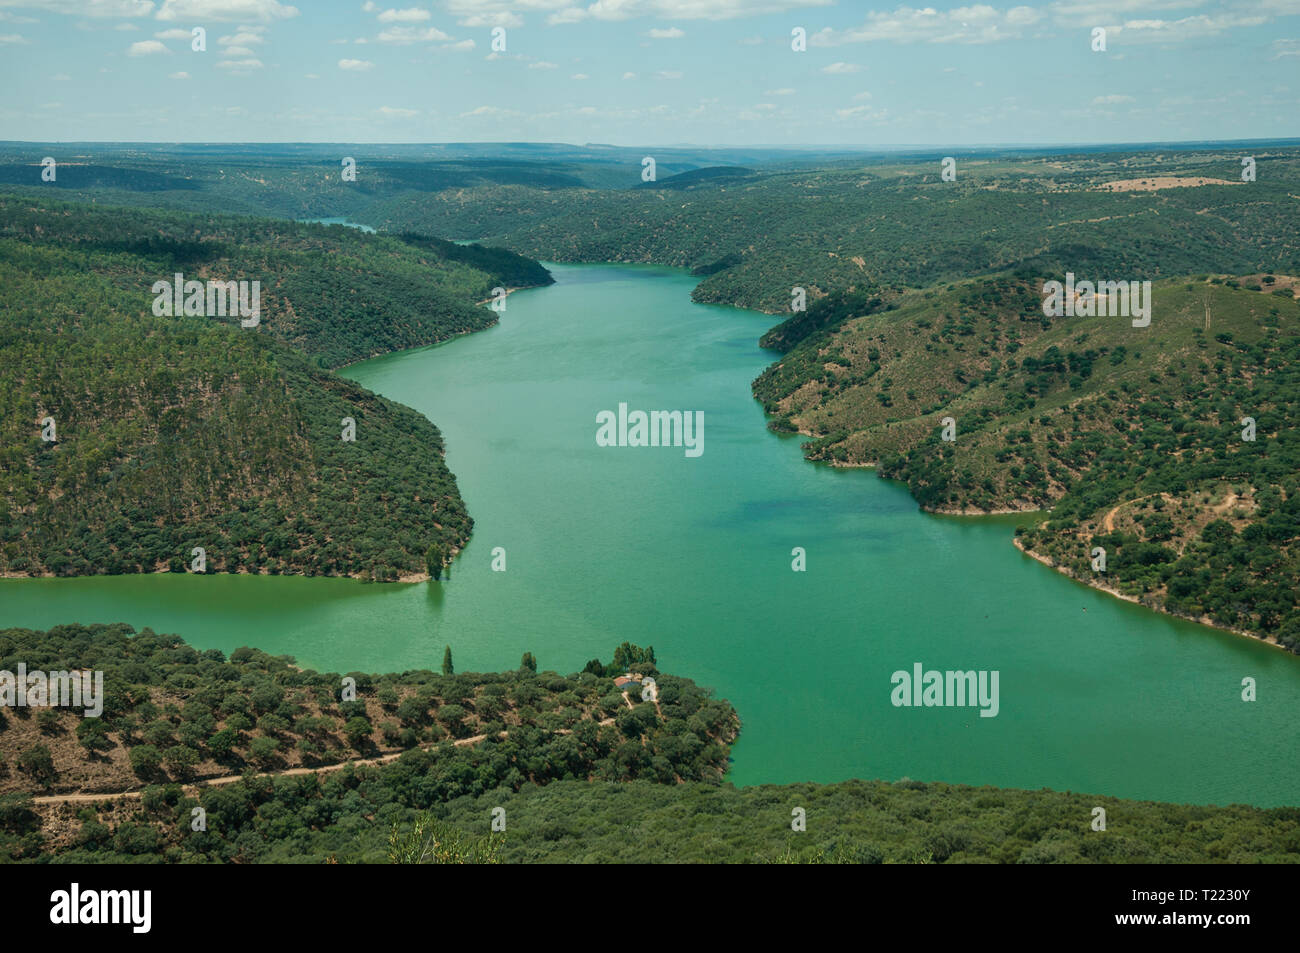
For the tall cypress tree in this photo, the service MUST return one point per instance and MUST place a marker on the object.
(447, 667)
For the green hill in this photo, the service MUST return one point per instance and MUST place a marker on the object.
(180, 432)
(894, 224)
(1083, 415)
(333, 293)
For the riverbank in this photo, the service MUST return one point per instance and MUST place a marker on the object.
(1153, 606)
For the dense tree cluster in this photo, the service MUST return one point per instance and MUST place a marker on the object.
(173, 715)
(174, 433)
(1081, 416)
(333, 293)
(896, 225)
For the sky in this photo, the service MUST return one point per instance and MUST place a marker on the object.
(650, 72)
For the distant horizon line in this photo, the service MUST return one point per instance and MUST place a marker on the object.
(841, 147)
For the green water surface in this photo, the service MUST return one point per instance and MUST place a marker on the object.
(693, 556)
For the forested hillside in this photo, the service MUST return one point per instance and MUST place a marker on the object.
(173, 715)
(305, 180)
(898, 225)
(171, 433)
(1131, 436)
(335, 294)
(582, 771)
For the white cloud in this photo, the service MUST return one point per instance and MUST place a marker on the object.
(483, 12)
(837, 69)
(668, 74)
(246, 36)
(240, 66)
(173, 35)
(672, 33)
(784, 91)
(543, 64)
(1101, 12)
(181, 75)
(861, 112)
(462, 45)
(12, 39)
(396, 112)
(1114, 99)
(237, 51)
(490, 13)
(1188, 28)
(356, 66)
(489, 111)
(85, 8)
(974, 24)
(1286, 48)
(409, 15)
(243, 11)
(406, 35)
(629, 75)
(567, 15)
(146, 48)
(579, 76)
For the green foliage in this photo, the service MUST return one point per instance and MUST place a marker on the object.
(38, 762)
(181, 432)
(433, 841)
(518, 728)
(882, 221)
(1082, 416)
(628, 655)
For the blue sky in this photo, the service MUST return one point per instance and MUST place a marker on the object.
(650, 72)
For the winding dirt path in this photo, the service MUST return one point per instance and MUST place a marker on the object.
(287, 773)
(1109, 521)
(232, 778)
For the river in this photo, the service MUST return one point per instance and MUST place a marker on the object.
(693, 556)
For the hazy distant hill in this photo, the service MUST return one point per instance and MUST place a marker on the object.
(896, 224)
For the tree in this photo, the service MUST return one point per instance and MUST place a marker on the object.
(145, 761)
(358, 732)
(264, 750)
(222, 743)
(181, 760)
(412, 711)
(433, 561)
(452, 716)
(93, 735)
(39, 763)
(627, 655)
(447, 667)
(431, 841)
(528, 663)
